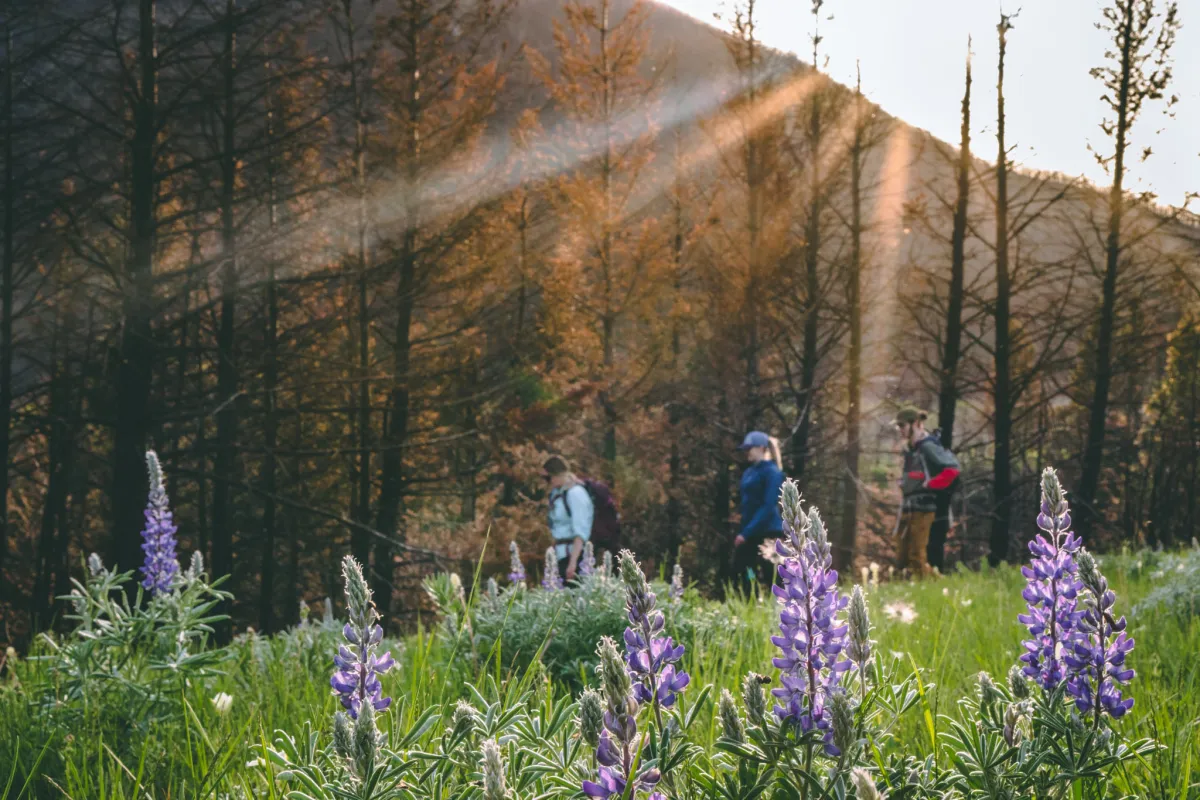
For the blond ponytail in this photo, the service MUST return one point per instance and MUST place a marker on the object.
(773, 449)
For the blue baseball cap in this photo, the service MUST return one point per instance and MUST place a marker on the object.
(755, 439)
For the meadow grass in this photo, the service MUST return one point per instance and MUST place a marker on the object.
(964, 623)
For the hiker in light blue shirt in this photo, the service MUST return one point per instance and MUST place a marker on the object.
(570, 527)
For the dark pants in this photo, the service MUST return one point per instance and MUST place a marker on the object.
(747, 559)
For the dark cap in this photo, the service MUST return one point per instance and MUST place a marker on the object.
(556, 465)
(910, 414)
(755, 439)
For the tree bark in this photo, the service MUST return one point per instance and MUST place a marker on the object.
(844, 555)
(1086, 511)
(227, 376)
(998, 547)
(136, 349)
(6, 291)
(952, 351)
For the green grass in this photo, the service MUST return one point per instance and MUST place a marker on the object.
(964, 623)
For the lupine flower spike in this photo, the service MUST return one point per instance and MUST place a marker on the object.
(516, 569)
(731, 722)
(677, 583)
(550, 578)
(587, 564)
(161, 568)
(619, 744)
(811, 637)
(493, 772)
(652, 658)
(1096, 661)
(356, 681)
(1052, 588)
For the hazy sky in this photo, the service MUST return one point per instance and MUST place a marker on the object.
(913, 53)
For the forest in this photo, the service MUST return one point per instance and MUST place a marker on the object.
(355, 268)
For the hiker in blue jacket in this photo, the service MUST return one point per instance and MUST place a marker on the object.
(570, 515)
(761, 518)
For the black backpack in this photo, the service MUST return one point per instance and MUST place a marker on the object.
(606, 519)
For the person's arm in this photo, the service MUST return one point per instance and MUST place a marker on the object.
(942, 465)
(582, 512)
(758, 522)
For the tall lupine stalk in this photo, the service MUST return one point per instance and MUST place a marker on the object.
(811, 637)
(356, 681)
(493, 771)
(1096, 661)
(516, 569)
(551, 580)
(161, 568)
(677, 583)
(587, 564)
(1052, 588)
(619, 751)
(652, 658)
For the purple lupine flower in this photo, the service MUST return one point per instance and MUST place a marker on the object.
(811, 637)
(551, 580)
(587, 564)
(1096, 661)
(619, 743)
(161, 568)
(652, 658)
(516, 569)
(1051, 590)
(356, 680)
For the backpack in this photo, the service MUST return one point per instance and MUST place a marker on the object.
(606, 519)
(956, 484)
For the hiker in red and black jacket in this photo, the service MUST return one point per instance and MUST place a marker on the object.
(929, 468)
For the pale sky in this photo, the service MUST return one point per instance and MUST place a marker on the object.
(913, 53)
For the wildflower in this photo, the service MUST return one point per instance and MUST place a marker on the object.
(989, 694)
(221, 702)
(195, 570)
(651, 657)
(965, 602)
(1051, 589)
(1096, 661)
(874, 568)
(1015, 725)
(731, 722)
(464, 720)
(945, 591)
(858, 645)
(158, 537)
(516, 569)
(606, 564)
(864, 575)
(95, 565)
(841, 717)
(493, 589)
(1018, 684)
(550, 578)
(864, 785)
(891, 572)
(619, 746)
(358, 668)
(587, 565)
(591, 717)
(901, 612)
(754, 698)
(677, 582)
(810, 639)
(493, 771)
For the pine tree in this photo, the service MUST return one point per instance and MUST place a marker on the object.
(1143, 33)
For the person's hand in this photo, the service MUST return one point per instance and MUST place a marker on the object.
(739, 540)
(570, 572)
